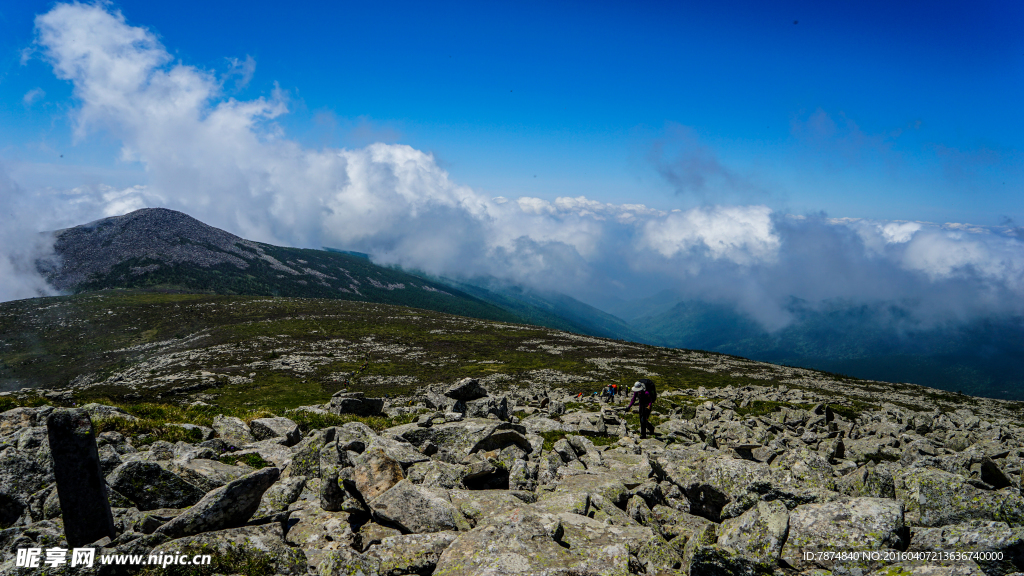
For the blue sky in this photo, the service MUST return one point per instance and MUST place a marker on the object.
(917, 104)
(744, 152)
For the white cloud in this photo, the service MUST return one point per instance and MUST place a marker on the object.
(741, 234)
(33, 96)
(226, 162)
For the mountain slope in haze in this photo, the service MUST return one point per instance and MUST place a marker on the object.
(161, 248)
(982, 358)
(550, 309)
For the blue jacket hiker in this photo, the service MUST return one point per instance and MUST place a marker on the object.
(643, 396)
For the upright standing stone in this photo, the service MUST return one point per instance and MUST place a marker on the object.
(80, 486)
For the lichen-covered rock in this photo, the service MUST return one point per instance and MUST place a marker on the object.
(437, 474)
(803, 467)
(278, 497)
(400, 451)
(306, 454)
(616, 549)
(226, 507)
(576, 502)
(607, 486)
(22, 475)
(372, 533)
(415, 509)
(586, 423)
(976, 535)
(851, 524)
(317, 532)
(935, 498)
(15, 419)
(721, 488)
(232, 430)
(517, 542)
(480, 505)
(237, 550)
(375, 472)
(758, 534)
(276, 427)
(873, 482)
(149, 486)
(538, 424)
(488, 407)
(411, 553)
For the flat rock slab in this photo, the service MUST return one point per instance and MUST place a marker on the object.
(415, 509)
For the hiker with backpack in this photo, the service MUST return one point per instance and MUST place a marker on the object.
(644, 395)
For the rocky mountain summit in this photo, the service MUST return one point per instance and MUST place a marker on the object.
(534, 480)
(165, 249)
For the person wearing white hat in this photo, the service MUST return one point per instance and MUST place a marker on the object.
(643, 397)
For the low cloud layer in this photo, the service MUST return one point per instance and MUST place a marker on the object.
(228, 163)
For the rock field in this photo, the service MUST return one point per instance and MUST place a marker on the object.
(517, 484)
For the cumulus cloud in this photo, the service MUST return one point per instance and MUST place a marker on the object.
(227, 162)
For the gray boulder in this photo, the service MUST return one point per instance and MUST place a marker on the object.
(411, 553)
(355, 403)
(236, 550)
(457, 440)
(276, 427)
(319, 532)
(225, 507)
(603, 548)
(207, 474)
(280, 496)
(874, 482)
(149, 486)
(487, 407)
(415, 509)
(466, 389)
(232, 430)
(517, 542)
(306, 454)
(853, 524)
(437, 474)
(375, 473)
(935, 498)
(976, 535)
(758, 535)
